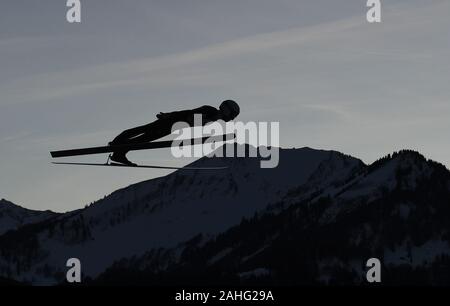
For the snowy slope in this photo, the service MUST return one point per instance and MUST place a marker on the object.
(402, 172)
(396, 210)
(13, 216)
(167, 211)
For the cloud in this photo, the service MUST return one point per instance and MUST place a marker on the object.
(161, 70)
(191, 68)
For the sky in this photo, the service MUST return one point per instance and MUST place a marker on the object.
(330, 78)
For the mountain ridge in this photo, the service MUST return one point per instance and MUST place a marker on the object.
(13, 216)
(409, 238)
(157, 222)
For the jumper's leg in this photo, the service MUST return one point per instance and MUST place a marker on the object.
(140, 134)
(127, 135)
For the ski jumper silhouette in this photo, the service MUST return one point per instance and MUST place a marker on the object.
(227, 111)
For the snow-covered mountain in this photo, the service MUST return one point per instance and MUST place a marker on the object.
(315, 219)
(13, 216)
(396, 210)
(166, 211)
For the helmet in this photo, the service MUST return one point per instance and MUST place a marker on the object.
(230, 109)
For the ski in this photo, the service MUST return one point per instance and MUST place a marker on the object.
(139, 166)
(140, 146)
